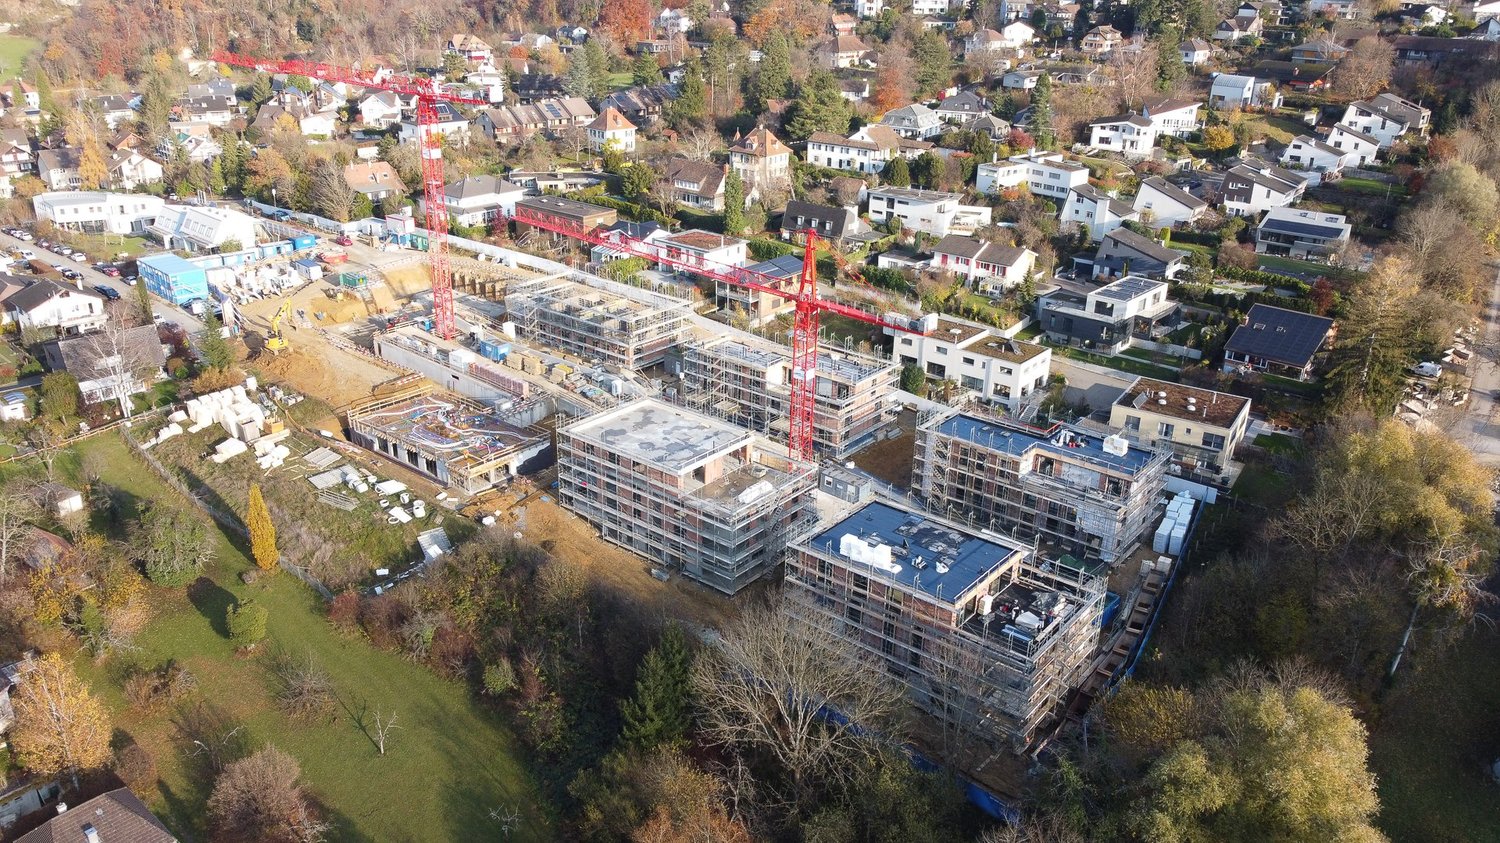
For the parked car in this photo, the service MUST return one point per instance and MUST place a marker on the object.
(72, 274)
(111, 272)
(108, 292)
(80, 257)
(27, 254)
(344, 240)
(128, 279)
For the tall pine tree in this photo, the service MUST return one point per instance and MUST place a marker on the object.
(773, 79)
(262, 531)
(734, 203)
(897, 173)
(1039, 123)
(820, 107)
(644, 70)
(657, 713)
(691, 106)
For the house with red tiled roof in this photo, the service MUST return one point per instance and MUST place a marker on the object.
(611, 127)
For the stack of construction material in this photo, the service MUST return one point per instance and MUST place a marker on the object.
(1172, 532)
(228, 449)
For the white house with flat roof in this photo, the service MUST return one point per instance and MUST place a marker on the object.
(1046, 174)
(197, 228)
(98, 212)
(931, 211)
(1000, 370)
(1299, 233)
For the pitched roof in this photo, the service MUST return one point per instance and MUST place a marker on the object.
(63, 158)
(967, 102)
(973, 248)
(1394, 107)
(43, 290)
(373, 177)
(641, 98)
(707, 179)
(475, 187)
(1280, 335)
(844, 44)
(1350, 130)
(1313, 223)
(611, 120)
(1269, 177)
(828, 221)
(1291, 72)
(1095, 195)
(1173, 192)
(761, 143)
(1167, 104)
(118, 816)
(910, 116)
(1309, 140)
(1141, 245)
(1197, 45)
(140, 346)
(1131, 117)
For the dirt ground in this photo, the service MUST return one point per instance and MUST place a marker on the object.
(891, 459)
(572, 538)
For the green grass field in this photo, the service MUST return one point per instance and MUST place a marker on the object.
(1120, 362)
(449, 765)
(1274, 263)
(13, 52)
(1369, 187)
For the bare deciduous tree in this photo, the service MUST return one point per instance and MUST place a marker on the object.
(259, 798)
(120, 358)
(767, 685)
(17, 508)
(1134, 70)
(383, 728)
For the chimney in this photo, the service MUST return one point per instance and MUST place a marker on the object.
(62, 808)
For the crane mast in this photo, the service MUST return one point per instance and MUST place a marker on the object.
(428, 93)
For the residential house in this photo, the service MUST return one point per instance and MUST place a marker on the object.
(1175, 117)
(1195, 52)
(58, 168)
(1108, 318)
(1336, 9)
(1014, 36)
(1319, 51)
(1046, 174)
(836, 225)
(931, 8)
(1101, 40)
(16, 157)
(470, 47)
(109, 365)
(1201, 427)
(118, 815)
(1291, 76)
(1479, 10)
(215, 86)
(1361, 147)
(1277, 341)
(1255, 187)
(856, 86)
(842, 51)
(197, 148)
(46, 303)
(199, 228)
(514, 122)
(914, 121)
(1423, 14)
(1387, 117)
(1230, 91)
(1487, 30)
(961, 108)
(934, 212)
(309, 122)
(531, 87)
(1123, 252)
(489, 79)
(783, 273)
(1434, 51)
(1130, 135)
(671, 21)
(129, 169)
(477, 200)
(115, 109)
(643, 104)
(548, 181)
(1002, 371)
(451, 124)
(697, 184)
(96, 212)
(866, 151)
(374, 180)
(1162, 204)
(1020, 80)
(988, 124)
(23, 95)
(379, 110)
(1234, 29)
(1301, 234)
(869, 8)
(1321, 161)
(701, 249)
(610, 130)
(761, 160)
(991, 267)
(209, 111)
(1088, 206)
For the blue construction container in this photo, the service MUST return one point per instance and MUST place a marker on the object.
(304, 241)
(172, 278)
(491, 350)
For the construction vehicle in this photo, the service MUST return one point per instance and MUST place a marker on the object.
(276, 341)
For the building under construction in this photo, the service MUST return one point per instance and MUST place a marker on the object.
(1071, 492)
(748, 382)
(453, 440)
(595, 325)
(688, 492)
(987, 639)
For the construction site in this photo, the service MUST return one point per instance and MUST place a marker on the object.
(747, 382)
(596, 325)
(989, 639)
(456, 442)
(693, 494)
(1073, 493)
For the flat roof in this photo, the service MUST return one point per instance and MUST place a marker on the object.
(957, 333)
(1209, 406)
(919, 544)
(169, 263)
(567, 207)
(667, 437)
(1127, 288)
(1000, 348)
(1016, 440)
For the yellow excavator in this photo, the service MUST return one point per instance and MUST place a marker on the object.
(276, 340)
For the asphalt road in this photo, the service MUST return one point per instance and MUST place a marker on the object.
(93, 278)
(1479, 428)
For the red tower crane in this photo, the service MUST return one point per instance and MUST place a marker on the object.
(428, 93)
(809, 305)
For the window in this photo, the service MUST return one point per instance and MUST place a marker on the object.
(1133, 423)
(1164, 430)
(1214, 441)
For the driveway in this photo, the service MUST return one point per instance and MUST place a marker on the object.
(1479, 427)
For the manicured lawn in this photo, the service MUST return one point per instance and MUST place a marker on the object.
(1274, 263)
(1279, 443)
(1370, 187)
(13, 52)
(106, 246)
(1295, 387)
(449, 765)
(1438, 732)
(618, 81)
(1124, 364)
